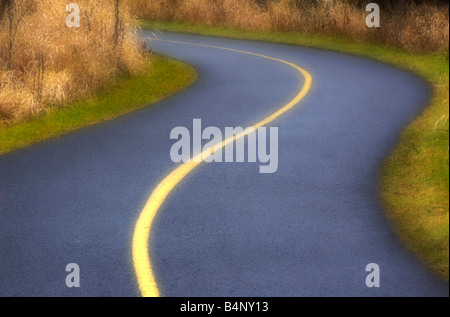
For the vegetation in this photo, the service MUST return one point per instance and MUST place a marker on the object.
(44, 63)
(412, 25)
(55, 79)
(127, 94)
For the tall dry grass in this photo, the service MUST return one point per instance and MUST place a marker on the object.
(417, 26)
(44, 63)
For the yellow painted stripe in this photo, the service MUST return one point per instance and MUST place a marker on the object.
(141, 261)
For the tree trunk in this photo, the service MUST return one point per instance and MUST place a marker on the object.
(4, 5)
(117, 22)
(11, 36)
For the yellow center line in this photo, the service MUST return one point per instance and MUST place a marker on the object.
(141, 260)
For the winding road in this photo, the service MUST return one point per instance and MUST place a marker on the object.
(224, 229)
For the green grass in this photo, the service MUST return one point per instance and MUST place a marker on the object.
(162, 77)
(414, 181)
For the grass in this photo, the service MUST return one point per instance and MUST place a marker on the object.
(44, 62)
(414, 180)
(412, 25)
(163, 77)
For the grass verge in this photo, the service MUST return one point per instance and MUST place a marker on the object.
(162, 77)
(414, 181)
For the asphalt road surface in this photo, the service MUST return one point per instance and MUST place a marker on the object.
(309, 229)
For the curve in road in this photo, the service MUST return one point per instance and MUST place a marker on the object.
(308, 230)
(142, 263)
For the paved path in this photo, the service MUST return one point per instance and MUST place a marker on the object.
(309, 229)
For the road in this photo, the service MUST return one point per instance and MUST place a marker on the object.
(309, 229)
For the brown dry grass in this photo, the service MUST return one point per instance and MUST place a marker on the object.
(43, 63)
(409, 24)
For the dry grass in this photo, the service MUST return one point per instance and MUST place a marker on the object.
(410, 25)
(43, 63)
